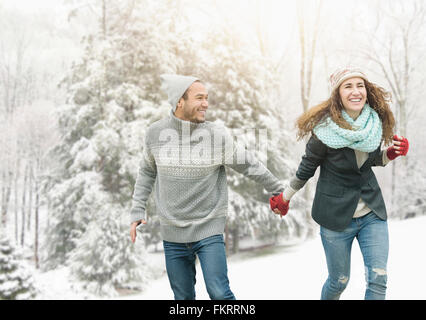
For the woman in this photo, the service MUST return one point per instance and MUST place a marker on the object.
(346, 133)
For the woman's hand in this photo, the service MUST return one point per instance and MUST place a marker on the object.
(398, 148)
(279, 205)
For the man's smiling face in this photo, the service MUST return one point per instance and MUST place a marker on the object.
(194, 107)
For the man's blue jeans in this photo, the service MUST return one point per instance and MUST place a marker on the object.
(372, 235)
(180, 265)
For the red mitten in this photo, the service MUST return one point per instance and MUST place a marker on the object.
(272, 203)
(403, 148)
(277, 202)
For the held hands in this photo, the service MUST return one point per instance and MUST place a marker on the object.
(133, 229)
(279, 205)
(398, 148)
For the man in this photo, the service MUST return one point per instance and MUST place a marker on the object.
(186, 156)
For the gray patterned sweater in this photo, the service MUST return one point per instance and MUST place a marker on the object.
(185, 163)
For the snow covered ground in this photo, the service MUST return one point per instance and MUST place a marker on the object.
(295, 272)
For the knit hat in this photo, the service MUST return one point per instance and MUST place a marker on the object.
(342, 74)
(175, 86)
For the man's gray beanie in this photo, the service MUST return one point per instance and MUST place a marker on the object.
(175, 86)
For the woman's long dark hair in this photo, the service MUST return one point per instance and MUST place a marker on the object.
(378, 99)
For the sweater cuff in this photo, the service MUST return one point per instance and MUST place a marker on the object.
(136, 214)
(385, 158)
(288, 193)
(297, 183)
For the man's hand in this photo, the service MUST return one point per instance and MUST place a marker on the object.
(133, 229)
(279, 205)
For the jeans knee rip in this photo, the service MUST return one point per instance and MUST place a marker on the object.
(376, 276)
(343, 280)
(379, 271)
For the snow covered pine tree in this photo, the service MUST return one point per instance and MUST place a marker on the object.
(16, 282)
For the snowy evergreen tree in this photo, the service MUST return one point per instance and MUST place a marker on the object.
(16, 282)
(105, 261)
(96, 124)
(113, 96)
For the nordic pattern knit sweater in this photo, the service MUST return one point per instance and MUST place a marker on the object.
(185, 163)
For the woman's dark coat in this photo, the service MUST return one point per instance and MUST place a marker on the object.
(341, 183)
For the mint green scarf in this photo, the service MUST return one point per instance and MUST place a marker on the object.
(366, 137)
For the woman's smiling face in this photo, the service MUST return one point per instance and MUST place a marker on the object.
(353, 95)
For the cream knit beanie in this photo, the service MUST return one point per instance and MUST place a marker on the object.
(342, 74)
(175, 86)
